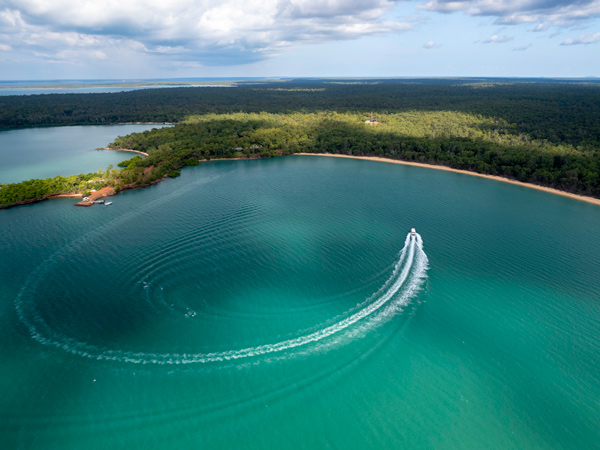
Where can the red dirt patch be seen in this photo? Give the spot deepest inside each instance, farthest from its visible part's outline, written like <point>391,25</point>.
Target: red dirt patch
<point>104,192</point>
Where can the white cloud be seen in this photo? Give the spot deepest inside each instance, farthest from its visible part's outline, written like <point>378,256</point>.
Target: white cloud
<point>514,12</point>
<point>79,55</point>
<point>585,39</point>
<point>206,29</point>
<point>495,39</point>
<point>540,27</point>
<point>445,7</point>
<point>518,19</point>
<point>429,45</point>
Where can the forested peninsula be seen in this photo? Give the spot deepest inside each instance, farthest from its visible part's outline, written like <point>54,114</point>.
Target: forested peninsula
<point>540,132</point>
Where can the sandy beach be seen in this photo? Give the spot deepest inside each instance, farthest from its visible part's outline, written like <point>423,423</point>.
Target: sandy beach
<point>582,198</point>
<point>228,159</point>
<point>66,195</point>
<point>146,123</point>
<point>126,150</point>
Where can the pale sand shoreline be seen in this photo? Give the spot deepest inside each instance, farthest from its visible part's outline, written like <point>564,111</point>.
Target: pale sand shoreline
<point>146,123</point>
<point>583,198</point>
<point>126,150</point>
<point>66,195</point>
<point>230,159</point>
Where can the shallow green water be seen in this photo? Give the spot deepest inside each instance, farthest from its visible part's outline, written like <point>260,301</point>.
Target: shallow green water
<point>280,304</point>
<point>48,152</point>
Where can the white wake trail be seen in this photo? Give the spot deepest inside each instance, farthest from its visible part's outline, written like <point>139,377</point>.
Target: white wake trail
<point>404,283</point>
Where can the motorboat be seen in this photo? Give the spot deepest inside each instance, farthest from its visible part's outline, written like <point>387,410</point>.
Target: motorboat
<point>108,203</point>
<point>413,232</point>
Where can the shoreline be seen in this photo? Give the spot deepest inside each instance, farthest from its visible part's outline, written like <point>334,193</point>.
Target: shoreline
<point>66,195</point>
<point>30,201</point>
<point>145,123</point>
<point>106,193</point>
<point>583,198</point>
<point>119,149</point>
<point>239,158</point>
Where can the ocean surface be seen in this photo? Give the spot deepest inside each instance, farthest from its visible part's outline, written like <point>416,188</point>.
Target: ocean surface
<point>283,304</point>
<point>48,152</point>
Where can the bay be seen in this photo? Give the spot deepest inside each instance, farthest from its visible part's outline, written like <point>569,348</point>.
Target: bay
<point>48,152</point>
<point>281,304</point>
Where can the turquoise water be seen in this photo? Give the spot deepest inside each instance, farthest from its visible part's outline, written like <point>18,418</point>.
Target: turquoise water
<point>47,152</point>
<point>281,304</point>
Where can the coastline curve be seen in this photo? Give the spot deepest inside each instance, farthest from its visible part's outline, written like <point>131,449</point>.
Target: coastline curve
<point>120,149</point>
<point>583,198</point>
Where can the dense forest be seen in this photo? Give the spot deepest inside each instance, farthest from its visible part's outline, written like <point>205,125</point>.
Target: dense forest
<point>462,141</point>
<point>557,111</point>
<point>35,189</point>
<point>546,133</point>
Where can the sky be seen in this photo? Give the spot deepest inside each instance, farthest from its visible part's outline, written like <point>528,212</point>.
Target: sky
<point>143,39</point>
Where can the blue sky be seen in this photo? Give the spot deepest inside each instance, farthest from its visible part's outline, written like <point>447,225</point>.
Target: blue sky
<point>71,39</point>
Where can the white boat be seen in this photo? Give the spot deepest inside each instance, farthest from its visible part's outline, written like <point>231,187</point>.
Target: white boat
<point>413,232</point>
<point>108,203</point>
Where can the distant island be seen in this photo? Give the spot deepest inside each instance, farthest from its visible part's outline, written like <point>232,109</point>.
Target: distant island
<point>540,133</point>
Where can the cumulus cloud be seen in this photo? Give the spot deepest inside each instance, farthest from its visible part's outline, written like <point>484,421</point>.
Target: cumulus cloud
<point>445,6</point>
<point>214,31</point>
<point>515,12</point>
<point>430,45</point>
<point>585,39</point>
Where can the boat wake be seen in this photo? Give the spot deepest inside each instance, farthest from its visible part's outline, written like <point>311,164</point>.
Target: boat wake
<point>405,281</point>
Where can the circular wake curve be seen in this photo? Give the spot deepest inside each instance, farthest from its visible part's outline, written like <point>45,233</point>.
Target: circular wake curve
<point>151,264</point>
<point>405,281</point>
